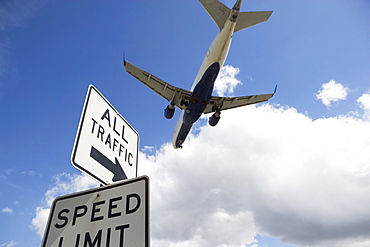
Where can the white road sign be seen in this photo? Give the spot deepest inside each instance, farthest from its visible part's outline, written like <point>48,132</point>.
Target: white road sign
<point>106,145</point>
<point>115,215</point>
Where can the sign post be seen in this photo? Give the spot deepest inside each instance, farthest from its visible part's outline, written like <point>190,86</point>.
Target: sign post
<point>106,145</point>
<point>115,215</point>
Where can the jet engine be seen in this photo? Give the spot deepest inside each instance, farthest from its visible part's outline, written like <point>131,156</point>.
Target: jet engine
<point>169,111</point>
<point>213,120</point>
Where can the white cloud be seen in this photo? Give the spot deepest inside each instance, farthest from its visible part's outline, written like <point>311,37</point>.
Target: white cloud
<point>11,244</point>
<point>9,171</point>
<point>38,223</point>
<point>63,184</point>
<point>147,149</point>
<point>14,13</point>
<point>263,170</point>
<point>364,102</point>
<point>332,91</point>
<point>226,81</point>
<point>7,210</point>
<point>30,173</point>
<point>266,170</point>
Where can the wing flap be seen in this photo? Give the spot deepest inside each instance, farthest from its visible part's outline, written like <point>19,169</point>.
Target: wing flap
<point>166,90</point>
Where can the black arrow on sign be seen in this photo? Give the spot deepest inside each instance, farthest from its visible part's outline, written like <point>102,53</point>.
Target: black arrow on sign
<point>115,168</point>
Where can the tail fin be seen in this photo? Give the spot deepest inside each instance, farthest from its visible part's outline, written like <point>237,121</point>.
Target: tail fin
<point>220,13</point>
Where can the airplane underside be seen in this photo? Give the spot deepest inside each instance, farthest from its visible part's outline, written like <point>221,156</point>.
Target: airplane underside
<point>199,99</point>
<point>198,102</point>
<point>201,95</point>
<point>183,133</point>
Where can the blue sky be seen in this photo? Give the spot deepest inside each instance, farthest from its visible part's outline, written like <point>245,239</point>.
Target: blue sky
<point>292,172</point>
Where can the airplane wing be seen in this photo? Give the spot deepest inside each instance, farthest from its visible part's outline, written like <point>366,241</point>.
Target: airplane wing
<point>225,103</point>
<point>173,94</point>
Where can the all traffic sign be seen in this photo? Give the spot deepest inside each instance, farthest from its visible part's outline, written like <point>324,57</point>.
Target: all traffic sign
<point>115,215</point>
<point>106,145</point>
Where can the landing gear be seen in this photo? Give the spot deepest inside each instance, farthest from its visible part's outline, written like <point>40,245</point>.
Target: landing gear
<point>184,102</point>
<point>179,144</point>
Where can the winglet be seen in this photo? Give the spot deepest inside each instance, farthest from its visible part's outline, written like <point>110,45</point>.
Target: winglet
<point>124,58</point>
<point>275,88</point>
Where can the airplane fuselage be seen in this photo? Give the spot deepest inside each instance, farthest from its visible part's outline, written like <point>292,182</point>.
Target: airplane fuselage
<point>204,81</point>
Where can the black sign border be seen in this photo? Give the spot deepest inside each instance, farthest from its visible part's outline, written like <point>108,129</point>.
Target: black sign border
<point>77,140</point>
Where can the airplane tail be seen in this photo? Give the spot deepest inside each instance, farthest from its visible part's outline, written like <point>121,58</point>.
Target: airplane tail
<point>248,19</point>
<point>220,13</point>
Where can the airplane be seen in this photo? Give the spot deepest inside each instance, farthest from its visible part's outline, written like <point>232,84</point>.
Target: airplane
<point>199,99</point>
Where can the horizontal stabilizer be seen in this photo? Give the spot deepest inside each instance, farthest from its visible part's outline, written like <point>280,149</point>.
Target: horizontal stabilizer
<point>220,13</point>
<point>248,19</point>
